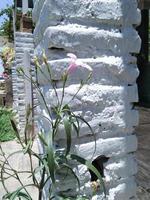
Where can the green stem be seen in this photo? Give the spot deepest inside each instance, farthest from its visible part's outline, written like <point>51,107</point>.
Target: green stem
<point>41,185</point>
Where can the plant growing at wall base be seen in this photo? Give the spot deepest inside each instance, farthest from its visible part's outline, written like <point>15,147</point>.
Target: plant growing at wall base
<point>6,130</point>
<point>53,160</point>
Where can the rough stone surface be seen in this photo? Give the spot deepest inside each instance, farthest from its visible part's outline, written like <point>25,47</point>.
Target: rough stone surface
<point>98,13</point>
<point>23,42</point>
<point>102,34</point>
<point>114,71</point>
<point>113,42</point>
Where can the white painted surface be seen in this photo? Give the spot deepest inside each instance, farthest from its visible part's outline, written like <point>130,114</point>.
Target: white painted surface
<point>27,84</point>
<point>22,88</point>
<point>25,6</point>
<point>98,13</point>
<point>101,33</point>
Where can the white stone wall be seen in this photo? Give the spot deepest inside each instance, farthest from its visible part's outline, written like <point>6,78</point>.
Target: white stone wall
<point>23,42</point>
<point>102,34</point>
<point>14,86</point>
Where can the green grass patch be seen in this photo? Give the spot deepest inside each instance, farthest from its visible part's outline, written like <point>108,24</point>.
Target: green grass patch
<point>6,130</point>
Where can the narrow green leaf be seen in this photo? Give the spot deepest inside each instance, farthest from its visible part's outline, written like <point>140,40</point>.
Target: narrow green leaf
<point>78,158</point>
<point>28,146</point>
<point>67,109</point>
<point>82,119</point>
<point>68,127</point>
<point>18,193</point>
<point>38,169</point>
<point>15,129</point>
<point>97,173</point>
<point>77,127</point>
<point>28,111</point>
<point>42,139</point>
<point>73,173</point>
<point>24,196</point>
<point>28,125</point>
<point>51,157</point>
<point>51,163</point>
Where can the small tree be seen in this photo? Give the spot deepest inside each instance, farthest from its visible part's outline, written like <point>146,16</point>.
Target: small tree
<point>6,28</point>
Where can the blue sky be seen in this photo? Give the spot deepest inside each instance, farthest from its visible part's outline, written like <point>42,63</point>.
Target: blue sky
<point>3,4</point>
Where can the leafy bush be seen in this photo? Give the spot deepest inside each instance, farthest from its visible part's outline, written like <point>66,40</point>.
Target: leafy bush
<point>6,130</point>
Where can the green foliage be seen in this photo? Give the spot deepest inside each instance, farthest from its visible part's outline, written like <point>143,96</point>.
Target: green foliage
<point>6,130</point>
<point>7,56</point>
<point>6,28</point>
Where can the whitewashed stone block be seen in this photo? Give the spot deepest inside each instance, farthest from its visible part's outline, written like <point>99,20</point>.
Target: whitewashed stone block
<point>123,191</point>
<point>109,147</point>
<point>75,37</point>
<point>101,34</point>
<point>114,71</point>
<point>81,11</point>
<point>117,168</point>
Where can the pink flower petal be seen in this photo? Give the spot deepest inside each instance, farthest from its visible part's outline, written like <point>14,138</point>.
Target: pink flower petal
<point>87,67</point>
<point>72,67</point>
<point>74,63</point>
<point>71,55</point>
<point>84,65</point>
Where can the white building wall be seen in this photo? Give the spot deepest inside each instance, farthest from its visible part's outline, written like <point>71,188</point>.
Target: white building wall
<point>102,34</point>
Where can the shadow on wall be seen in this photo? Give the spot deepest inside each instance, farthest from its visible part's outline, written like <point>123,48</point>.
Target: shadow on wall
<point>143,61</point>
